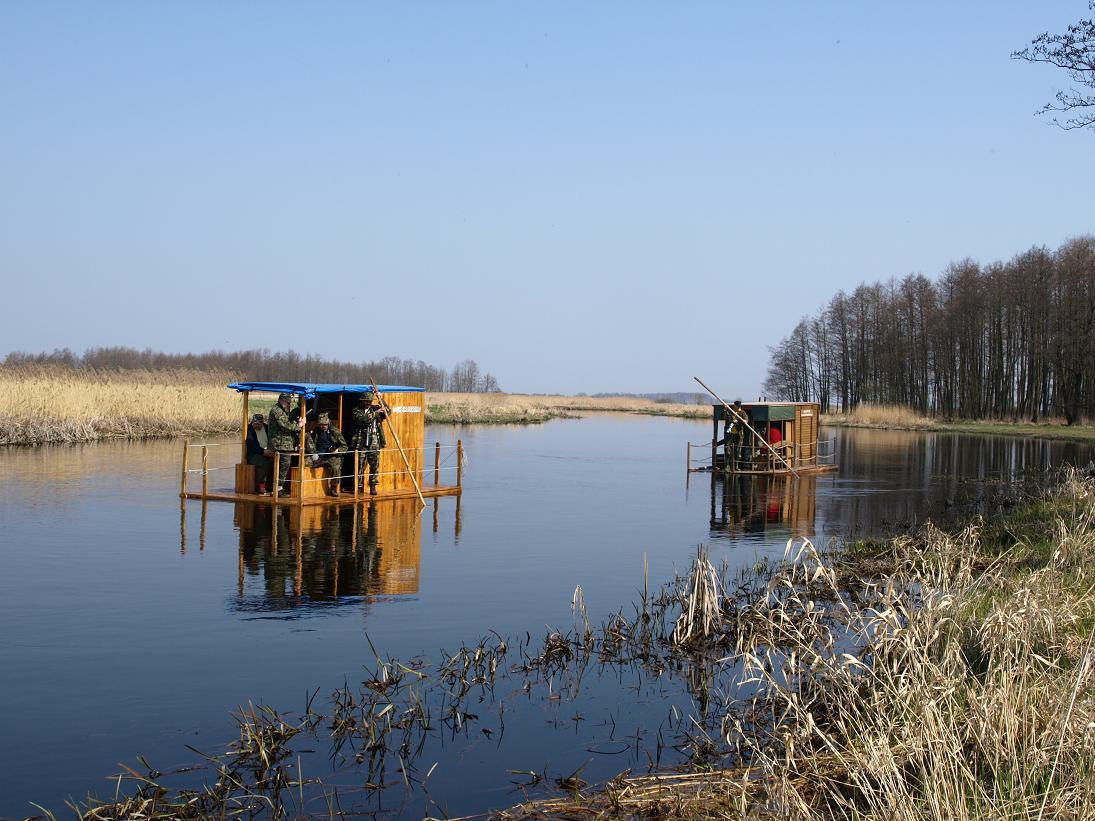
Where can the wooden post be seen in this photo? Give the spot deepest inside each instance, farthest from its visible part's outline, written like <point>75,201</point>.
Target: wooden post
<point>357,477</point>
<point>303,407</point>
<point>436,464</point>
<point>186,466</point>
<point>714,437</point>
<point>688,460</point>
<point>340,411</point>
<point>246,427</point>
<point>459,463</point>
<point>275,480</point>
<point>205,471</point>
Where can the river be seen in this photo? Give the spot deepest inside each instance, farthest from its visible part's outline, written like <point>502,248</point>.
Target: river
<point>136,625</point>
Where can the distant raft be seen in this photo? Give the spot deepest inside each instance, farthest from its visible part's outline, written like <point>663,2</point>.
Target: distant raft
<point>765,439</point>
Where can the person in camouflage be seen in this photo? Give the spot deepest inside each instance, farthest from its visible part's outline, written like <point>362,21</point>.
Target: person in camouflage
<point>284,435</point>
<point>259,452</point>
<point>328,443</point>
<point>731,440</point>
<point>369,437</point>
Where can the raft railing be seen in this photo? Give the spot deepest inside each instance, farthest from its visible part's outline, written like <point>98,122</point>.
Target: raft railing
<point>824,453</point>
<point>211,457</point>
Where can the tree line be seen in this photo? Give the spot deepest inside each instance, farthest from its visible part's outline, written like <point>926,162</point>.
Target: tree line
<point>1008,340</point>
<point>264,366</point>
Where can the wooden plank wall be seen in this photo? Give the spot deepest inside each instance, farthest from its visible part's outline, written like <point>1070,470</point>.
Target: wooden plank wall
<point>806,417</point>
<point>409,420</point>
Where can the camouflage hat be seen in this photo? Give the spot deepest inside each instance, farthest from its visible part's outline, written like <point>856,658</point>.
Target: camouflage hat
<point>366,396</point>
<point>286,396</point>
<point>257,417</point>
<point>323,419</point>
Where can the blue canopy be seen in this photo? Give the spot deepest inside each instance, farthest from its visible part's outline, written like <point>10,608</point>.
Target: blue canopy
<point>310,389</point>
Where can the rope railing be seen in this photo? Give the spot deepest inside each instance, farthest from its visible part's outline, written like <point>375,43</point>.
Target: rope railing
<point>824,452</point>
<point>447,459</point>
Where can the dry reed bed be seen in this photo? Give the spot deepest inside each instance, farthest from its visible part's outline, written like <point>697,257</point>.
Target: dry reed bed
<point>55,404</point>
<point>972,694</point>
<point>900,417</point>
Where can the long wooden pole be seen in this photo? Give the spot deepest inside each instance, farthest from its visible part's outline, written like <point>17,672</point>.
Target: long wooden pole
<point>302,408</point>
<point>186,466</point>
<point>391,428</point>
<point>740,418</point>
<point>246,427</point>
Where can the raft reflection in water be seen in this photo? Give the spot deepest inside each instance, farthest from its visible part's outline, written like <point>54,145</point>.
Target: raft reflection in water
<point>755,504</point>
<point>317,556</point>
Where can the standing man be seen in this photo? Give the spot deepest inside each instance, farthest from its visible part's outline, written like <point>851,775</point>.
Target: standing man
<point>369,437</point>
<point>731,439</point>
<point>329,445</point>
<point>259,452</point>
<point>283,433</point>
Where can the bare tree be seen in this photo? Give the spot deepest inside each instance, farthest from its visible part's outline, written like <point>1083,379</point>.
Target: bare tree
<point>1074,51</point>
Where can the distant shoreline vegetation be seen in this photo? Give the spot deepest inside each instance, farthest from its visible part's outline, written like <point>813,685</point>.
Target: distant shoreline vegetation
<point>899,417</point>
<point>56,404</point>
<point>1010,341</point>
<point>53,403</point>
<point>261,365</point>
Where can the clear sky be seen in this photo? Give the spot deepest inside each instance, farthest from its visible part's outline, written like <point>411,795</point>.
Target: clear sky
<point>580,196</point>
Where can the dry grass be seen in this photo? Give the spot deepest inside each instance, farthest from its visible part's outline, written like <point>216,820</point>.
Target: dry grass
<point>900,417</point>
<point>513,408</point>
<point>46,404</point>
<point>869,415</point>
<point>969,692</point>
<point>56,404</point>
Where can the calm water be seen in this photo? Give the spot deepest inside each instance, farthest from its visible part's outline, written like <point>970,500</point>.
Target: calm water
<point>133,628</point>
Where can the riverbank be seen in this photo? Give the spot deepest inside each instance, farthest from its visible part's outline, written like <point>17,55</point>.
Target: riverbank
<point>514,408</point>
<point>934,675</point>
<point>53,404</point>
<point>892,417</point>
<point>970,694</point>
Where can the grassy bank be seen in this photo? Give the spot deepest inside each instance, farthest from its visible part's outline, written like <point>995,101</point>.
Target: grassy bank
<point>971,693</point>
<point>897,417</point>
<point>513,408</point>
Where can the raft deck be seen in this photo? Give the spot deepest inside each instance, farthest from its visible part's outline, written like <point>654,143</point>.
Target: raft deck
<point>289,500</point>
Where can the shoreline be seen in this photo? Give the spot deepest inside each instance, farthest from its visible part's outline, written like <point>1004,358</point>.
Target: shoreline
<point>1030,430</point>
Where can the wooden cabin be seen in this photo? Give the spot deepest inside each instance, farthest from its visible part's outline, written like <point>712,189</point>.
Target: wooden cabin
<point>403,462</point>
<point>774,438</point>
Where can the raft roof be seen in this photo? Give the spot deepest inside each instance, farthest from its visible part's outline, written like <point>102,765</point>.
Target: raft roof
<point>310,389</point>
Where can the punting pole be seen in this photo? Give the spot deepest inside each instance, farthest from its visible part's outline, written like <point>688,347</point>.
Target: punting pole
<point>302,407</point>
<point>745,422</point>
<point>387,414</point>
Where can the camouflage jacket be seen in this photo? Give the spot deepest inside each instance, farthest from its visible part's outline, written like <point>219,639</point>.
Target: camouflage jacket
<point>337,439</point>
<point>368,431</point>
<point>283,431</point>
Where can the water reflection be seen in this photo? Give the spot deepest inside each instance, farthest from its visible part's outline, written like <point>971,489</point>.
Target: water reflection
<point>743,505</point>
<point>320,556</point>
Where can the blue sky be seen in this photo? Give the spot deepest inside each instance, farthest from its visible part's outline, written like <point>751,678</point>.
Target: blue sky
<point>579,196</point>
